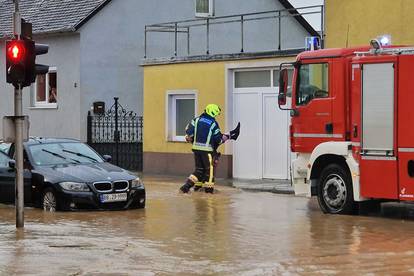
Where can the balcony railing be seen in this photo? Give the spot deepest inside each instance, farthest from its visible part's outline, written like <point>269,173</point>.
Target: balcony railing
<point>185,27</point>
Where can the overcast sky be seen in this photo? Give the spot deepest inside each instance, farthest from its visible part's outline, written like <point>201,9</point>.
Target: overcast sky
<point>314,20</point>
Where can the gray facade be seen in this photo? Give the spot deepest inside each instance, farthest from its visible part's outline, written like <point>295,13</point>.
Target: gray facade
<point>102,58</point>
<point>62,121</point>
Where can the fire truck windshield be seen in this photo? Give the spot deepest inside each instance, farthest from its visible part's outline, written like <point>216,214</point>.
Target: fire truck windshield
<point>312,83</point>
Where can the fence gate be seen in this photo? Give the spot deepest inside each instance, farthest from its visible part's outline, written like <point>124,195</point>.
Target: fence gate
<point>118,133</point>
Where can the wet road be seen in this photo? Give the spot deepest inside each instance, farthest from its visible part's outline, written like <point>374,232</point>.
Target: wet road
<point>232,232</point>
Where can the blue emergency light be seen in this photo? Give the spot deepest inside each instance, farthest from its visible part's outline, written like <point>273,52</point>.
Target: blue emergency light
<point>312,43</point>
<point>385,40</point>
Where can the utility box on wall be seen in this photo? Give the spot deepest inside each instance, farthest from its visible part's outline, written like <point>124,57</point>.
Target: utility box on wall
<point>99,108</point>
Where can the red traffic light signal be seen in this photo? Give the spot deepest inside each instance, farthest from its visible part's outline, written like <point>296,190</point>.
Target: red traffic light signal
<point>16,54</point>
<point>21,67</point>
<point>16,51</point>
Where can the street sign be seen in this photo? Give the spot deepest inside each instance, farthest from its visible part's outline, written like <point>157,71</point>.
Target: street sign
<point>9,129</point>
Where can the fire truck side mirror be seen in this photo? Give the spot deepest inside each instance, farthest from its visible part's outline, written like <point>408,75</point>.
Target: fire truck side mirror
<point>281,98</point>
<point>283,85</point>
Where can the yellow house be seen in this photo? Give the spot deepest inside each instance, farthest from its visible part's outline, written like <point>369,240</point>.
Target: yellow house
<point>245,88</point>
<point>355,22</point>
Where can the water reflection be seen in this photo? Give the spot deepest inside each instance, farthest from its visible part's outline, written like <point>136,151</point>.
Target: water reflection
<point>232,232</point>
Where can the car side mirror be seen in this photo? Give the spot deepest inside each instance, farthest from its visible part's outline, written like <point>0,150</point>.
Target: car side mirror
<point>12,164</point>
<point>107,158</point>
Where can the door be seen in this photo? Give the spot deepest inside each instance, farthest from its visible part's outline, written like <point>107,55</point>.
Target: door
<point>313,120</point>
<point>378,165</point>
<point>262,150</point>
<point>247,151</point>
<point>7,176</point>
<point>405,129</point>
<point>275,139</point>
<point>263,145</point>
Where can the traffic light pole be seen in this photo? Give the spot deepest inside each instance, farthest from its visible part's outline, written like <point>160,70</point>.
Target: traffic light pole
<point>18,123</point>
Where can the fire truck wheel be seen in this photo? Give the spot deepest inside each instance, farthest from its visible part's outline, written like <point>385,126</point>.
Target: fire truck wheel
<point>335,194</point>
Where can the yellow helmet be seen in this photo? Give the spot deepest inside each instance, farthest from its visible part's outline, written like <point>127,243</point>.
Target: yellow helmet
<point>213,110</point>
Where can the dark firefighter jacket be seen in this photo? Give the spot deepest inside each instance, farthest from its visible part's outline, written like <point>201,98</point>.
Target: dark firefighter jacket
<point>205,132</point>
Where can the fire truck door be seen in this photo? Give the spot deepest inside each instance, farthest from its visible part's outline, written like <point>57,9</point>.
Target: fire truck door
<point>405,127</point>
<point>378,165</point>
<point>312,118</point>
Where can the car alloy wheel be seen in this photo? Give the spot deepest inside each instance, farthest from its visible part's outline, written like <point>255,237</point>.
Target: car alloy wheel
<point>49,202</point>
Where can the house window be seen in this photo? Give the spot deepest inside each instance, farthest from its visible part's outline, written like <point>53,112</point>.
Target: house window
<point>45,92</point>
<point>247,79</point>
<point>204,8</point>
<point>181,110</point>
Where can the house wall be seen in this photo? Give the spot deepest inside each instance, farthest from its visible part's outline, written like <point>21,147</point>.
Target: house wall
<point>62,121</point>
<point>355,22</point>
<point>211,83</point>
<point>208,81</point>
<point>112,44</point>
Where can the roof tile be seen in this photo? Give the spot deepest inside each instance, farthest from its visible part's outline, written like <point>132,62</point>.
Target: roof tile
<point>48,16</point>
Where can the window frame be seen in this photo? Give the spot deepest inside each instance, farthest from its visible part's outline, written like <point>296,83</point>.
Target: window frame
<point>298,86</point>
<point>250,70</point>
<point>46,104</point>
<point>274,83</point>
<point>210,12</point>
<point>171,112</point>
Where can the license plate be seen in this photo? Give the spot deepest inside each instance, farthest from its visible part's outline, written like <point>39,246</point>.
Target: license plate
<point>114,197</point>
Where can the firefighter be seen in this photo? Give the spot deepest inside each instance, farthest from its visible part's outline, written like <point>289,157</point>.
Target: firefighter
<point>205,135</point>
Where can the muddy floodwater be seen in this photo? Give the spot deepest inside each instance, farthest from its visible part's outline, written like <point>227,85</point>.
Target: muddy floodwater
<point>232,232</point>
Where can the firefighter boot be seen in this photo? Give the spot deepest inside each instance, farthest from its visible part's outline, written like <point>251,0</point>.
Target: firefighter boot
<point>188,184</point>
<point>209,188</point>
<point>198,186</point>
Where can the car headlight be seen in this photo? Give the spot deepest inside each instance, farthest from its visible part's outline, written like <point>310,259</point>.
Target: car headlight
<point>74,186</point>
<point>137,183</point>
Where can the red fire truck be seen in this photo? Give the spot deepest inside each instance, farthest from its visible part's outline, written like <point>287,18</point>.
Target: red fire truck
<point>352,125</point>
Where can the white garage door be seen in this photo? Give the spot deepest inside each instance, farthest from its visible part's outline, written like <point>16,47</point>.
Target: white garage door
<point>262,150</point>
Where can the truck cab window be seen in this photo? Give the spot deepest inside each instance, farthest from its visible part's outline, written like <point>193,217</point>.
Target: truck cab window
<point>312,83</point>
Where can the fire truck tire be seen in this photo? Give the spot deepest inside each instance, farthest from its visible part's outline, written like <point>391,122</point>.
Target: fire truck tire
<point>335,193</point>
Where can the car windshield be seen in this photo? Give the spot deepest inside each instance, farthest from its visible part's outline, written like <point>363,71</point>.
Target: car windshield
<point>63,153</point>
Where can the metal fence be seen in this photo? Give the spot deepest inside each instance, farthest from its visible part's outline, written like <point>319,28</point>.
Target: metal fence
<point>118,133</point>
<point>185,26</point>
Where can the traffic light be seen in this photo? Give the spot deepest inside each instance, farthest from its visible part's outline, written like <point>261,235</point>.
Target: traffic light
<point>33,69</point>
<point>16,56</point>
<point>21,67</point>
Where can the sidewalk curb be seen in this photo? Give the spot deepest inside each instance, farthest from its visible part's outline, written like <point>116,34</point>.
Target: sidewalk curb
<point>281,187</point>
<point>274,190</point>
